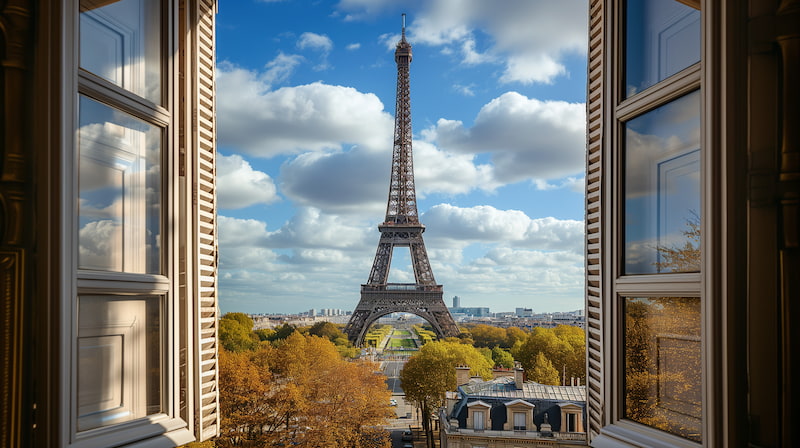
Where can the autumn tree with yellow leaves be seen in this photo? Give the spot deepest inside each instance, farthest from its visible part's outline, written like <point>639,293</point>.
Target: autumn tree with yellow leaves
<point>301,392</point>
<point>429,374</point>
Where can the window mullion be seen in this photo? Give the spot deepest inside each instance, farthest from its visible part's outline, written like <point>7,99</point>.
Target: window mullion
<point>96,87</point>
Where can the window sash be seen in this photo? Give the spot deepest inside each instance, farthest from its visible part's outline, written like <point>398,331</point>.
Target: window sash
<point>159,112</point>
<point>478,420</point>
<point>616,110</point>
<point>520,423</point>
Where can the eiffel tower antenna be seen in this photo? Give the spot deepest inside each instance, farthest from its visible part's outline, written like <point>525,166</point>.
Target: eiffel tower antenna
<point>401,228</point>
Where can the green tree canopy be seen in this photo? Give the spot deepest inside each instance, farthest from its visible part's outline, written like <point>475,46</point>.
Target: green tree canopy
<point>429,374</point>
<point>235,337</point>
<point>488,335</point>
<point>543,371</point>
<point>502,358</point>
<point>242,318</point>
<point>564,346</point>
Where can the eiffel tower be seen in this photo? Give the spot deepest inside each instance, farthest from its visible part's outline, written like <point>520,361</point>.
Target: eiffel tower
<point>401,228</point>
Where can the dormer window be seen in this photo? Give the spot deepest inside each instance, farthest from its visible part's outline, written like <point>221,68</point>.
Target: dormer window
<point>478,415</point>
<point>519,416</point>
<point>571,418</point>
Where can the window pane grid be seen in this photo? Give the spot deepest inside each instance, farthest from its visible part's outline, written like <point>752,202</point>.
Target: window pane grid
<point>663,363</point>
<point>123,280</point>
<point>656,271</point>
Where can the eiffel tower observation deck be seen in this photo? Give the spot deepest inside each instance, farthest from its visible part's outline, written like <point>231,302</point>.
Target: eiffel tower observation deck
<point>401,228</point>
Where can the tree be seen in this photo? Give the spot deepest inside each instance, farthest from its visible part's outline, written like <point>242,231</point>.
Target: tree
<point>514,334</point>
<point>502,358</point>
<point>235,337</point>
<point>242,318</point>
<point>564,346</point>
<point>685,258</point>
<point>429,374</point>
<point>488,335</point>
<point>325,329</point>
<point>663,359</point>
<point>543,371</point>
<point>301,393</point>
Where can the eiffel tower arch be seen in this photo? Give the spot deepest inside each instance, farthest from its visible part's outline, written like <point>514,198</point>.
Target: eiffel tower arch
<point>401,228</point>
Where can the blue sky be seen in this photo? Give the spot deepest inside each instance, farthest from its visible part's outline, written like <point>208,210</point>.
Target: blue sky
<point>305,104</point>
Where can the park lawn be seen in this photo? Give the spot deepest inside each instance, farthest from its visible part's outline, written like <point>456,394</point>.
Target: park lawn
<point>404,343</point>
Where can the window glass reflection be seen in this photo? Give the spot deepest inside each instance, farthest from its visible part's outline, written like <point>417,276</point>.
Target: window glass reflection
<point>662,189</point>
<point>662,37</point>
<point>663,368</point>
<point>120,41</point>
<point>119,183</point>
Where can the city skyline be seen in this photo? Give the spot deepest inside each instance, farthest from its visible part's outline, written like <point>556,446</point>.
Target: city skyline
<point>305,109</point>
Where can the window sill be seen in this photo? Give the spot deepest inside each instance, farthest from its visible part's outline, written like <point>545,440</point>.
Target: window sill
<point>625,434</point>
<point>157,431</point>
<point>168,440</point>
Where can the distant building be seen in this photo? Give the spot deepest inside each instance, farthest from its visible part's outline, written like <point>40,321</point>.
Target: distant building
<point>474,311</point>
<point>456,302</point>
<point>524,312</point>
<point>508,412</point>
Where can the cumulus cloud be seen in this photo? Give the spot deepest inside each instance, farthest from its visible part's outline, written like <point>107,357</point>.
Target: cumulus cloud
<point>528,138</point>
<point>353,46</point>
<point>466,90</point>
<point>315,41</point>
<point>100,245</point>
<point>487,224</point>
<point>311,229</point>
<point>357,181</point>
<point>528,37</point>
<point>313,117</point>
<point>345,182</point>
<point>239,185</point>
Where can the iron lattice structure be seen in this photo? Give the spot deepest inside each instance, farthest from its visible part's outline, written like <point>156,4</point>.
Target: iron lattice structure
<point>401,228</point>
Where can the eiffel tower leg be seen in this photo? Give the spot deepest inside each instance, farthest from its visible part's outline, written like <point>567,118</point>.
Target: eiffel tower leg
<point>380,267</point>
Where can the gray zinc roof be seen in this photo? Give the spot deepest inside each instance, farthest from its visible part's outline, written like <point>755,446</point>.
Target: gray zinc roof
<point>505,388</point>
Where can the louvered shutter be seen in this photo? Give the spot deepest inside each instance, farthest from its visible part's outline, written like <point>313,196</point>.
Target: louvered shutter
<point>206,391</point>
<point>594,240</point>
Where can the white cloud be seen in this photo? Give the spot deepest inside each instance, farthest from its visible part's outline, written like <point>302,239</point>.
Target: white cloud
<point>315,41</point>
<point>466,90</point>
<point>313,117</point>
<point>529,37</point>
<point>311,229</point>
<point>356,182</point>
<point>353,182</point>
<point>487,224</point>
<point>322,259</point>
<point>239,185</point>
<point>437,171</point>
<point>527,138</point>
<point>353,46</point>
<point>471,56</point>
<point>101,244</point>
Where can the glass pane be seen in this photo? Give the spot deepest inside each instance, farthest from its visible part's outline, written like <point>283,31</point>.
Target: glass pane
<point>119,359</point>
<point>119,183</point>
<point>121,42</point>
<point>519,420</point>
<point>662,189</point>
<point>662,37</point>
<point>663,364</point>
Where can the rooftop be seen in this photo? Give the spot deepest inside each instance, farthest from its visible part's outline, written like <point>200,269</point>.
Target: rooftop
<point>504,387</point>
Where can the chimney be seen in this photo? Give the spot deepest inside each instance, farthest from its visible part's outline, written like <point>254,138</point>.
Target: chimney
<point>462,375</point>
<point>519,377</point>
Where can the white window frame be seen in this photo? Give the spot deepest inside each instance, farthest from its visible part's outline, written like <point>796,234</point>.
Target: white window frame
<point>165,429</point>
<point>616,431</point>
<point>519,406</point>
